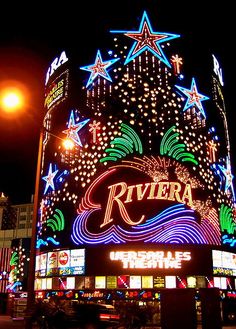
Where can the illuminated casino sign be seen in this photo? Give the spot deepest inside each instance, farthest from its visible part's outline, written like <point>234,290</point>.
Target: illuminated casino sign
<point>218,70</point>
<point>56,63</point>
<point>146,165</point>
<point>151,259</point>
<point>56,91</point>
<point>148,191</point>
<point>114,210</point>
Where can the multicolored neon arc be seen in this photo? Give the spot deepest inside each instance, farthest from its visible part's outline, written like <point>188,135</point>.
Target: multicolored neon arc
<point>175,224</point>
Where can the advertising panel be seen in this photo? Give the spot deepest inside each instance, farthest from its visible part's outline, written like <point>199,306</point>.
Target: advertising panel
<point>224,263</point>
<point>57,91</point>
<point>61,262</point>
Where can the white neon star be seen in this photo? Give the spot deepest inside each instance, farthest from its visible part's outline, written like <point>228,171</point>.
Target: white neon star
<point>194,98</point>
<point>226,171</point>
<point>49,178</point>
<point>99,68</point>
<point>74,128</point>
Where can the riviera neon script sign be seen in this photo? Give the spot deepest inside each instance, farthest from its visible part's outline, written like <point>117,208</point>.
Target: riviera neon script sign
<point>172,191</point>
<point>57,62</point>
<point>151,259</point>
<point>118,211</point>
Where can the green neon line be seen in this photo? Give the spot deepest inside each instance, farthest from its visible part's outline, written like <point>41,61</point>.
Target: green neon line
<point>62,218</point>
<point>115,155</point>
<point>14,258</point>
<point>14,255</point>
<point>185,154</point>
<point>125,143</point>
<point>163,141</point>
<point>172,144</point>
<point>128,139</point>
<point>58,221</point>
<point>116,150</point>
<point>176,147</point>
<point>53,224</point>
<point>127,134</point>
<point>222,211</point>
<point>134,136</point>
<point>176,152</point>
<point>108,159</point>
<point>226,219</point>
<point>222,217</point>
<point>122,147</point>
<point>228,212</point>
<point>190,160</point>
<point>169,142</point>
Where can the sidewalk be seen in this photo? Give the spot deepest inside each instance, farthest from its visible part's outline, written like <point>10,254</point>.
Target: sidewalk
<point>6,322</point>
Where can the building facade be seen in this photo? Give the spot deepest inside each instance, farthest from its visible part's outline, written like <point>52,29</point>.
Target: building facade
<point>15,235</point>
<point>144,199</point>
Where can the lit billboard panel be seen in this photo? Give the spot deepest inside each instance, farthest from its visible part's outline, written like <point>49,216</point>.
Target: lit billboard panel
<point>61,262</point>
<point>224,263</point>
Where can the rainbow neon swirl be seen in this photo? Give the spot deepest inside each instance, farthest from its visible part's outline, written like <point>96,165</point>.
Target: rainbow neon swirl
<point>176,224</point>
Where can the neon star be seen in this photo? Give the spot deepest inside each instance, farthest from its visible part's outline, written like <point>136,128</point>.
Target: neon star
<point>74,128</point>
<point>146,39</point>
<point>194,98</point>
<point>49,178</point>
<point>226,172</point>
<point>99,68</point>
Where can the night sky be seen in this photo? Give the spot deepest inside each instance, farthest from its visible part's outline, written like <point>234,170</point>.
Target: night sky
<point>31,37</point>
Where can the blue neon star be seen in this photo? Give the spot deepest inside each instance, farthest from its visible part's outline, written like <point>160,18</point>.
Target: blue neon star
<point>99,68</point>
<point>74,128</point>
<point>49,178</point>
<point>193,97</point>
<point>227,174</point>
<point>146,39</point>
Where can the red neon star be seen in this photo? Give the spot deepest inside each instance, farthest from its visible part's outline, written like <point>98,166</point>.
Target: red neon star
<point>193,97</point>
<point>99,68</point>
<point>146,39</point>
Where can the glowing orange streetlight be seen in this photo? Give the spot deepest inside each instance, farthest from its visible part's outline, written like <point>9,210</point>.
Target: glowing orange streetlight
<point>11,101</point>
<point>13,98</point>
<point>68,144</point>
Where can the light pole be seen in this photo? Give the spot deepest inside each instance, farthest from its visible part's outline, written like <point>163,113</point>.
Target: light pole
<point>68,144</point>
<point>31,272</point>
<point>12,100</point>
